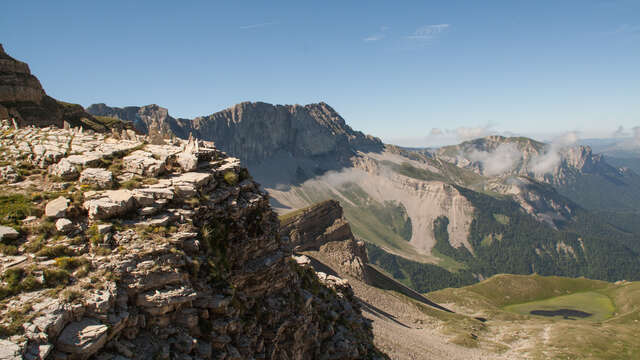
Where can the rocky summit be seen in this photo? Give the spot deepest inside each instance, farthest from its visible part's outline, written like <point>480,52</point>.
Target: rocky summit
<point>115,248</point>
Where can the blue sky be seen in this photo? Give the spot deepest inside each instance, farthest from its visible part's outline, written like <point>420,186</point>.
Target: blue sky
<point>394,69</point>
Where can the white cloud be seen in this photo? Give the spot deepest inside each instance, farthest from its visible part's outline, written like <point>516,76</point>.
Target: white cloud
<point>627,29</point>
<point>255,26</point>
<point>428,32</point>
<point>620,132</point>
<point>636,133</point>
<point>373,38</point>
<point>548,161</point>
<point>436,132</point>
<point>498,161</point>
<point>378,36</point>
<point>464,133</point>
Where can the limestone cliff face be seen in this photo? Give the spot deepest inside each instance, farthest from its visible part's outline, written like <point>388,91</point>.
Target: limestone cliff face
<point>146,119</point>
<point>322,227</point>
<point>23,98</point>
<point>157,251</point>
<point>257,131</point>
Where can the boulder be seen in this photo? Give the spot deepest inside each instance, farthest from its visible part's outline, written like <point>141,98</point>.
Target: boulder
<point>96,176</point>
<point>8,233</point>
<point>64,225</point>
<point>188,161</point>
<point>57,208</point>
<point>82,338</point>
<point>113,203</point>
<point>64,170</point>
<point>142,163</point>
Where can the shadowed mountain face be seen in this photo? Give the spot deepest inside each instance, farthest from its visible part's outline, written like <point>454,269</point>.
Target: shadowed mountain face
<point>258,131</point>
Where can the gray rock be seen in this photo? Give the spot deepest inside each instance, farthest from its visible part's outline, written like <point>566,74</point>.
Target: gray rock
<point>83,338</point>
<point>158,302</point>
<point>10,350</point>
<point>187,161</point>
<point>97,176</point>
<point>142,163</point>
<point>57,208</point>
<point>86,159</point>
<point>64,225</point>
<point>64,169</point>
<point>113,203</point>
<point>104,228</point>
<point>8,233</point>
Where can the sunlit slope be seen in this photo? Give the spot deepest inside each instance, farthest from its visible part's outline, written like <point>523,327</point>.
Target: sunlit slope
<point>506,300</point>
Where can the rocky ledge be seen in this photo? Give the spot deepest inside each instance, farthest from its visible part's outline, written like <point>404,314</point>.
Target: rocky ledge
<point>113,247</point>
<point>323,228</point>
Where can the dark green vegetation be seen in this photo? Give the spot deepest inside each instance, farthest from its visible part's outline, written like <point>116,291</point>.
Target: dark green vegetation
<point>606,190</point>
<point>588,246</point>
<point>631,163</point>
<point>419,276</point>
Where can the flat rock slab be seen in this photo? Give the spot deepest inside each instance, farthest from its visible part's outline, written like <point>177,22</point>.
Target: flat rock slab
<point>83,338</point>
<point>84,159</point>
<point>158,302</point>
<point>57,208</point>
<point>10,350</point>
<point>97,176</point>
<point>197,178</point>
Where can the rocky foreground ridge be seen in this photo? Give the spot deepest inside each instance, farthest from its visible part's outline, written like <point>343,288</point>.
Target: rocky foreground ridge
<point>113,247</point>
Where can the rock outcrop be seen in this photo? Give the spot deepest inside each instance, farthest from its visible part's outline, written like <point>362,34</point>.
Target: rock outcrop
<point>23,99</point>
<point>185,264</point>
<point>322,227</point>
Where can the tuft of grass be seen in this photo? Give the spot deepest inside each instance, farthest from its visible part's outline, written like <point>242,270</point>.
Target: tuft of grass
<point>70,295</point>
<point>231,178</point>
<point>56,251</point>
<point>131,184</point>
<point>71,263</point>
<point>55,277</point>
<point>14,208</point>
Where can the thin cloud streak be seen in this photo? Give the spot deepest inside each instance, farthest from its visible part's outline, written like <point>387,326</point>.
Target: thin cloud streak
<point>255,26</point>
<point>377,37</point>
<point>429,32</point>
<point>373,38</point>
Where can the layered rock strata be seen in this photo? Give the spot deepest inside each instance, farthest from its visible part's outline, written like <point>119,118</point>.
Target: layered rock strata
<point>160,261</point>
<point>322,227</point>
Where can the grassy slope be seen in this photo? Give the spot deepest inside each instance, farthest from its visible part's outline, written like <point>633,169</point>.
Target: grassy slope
<point>595,338</point>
